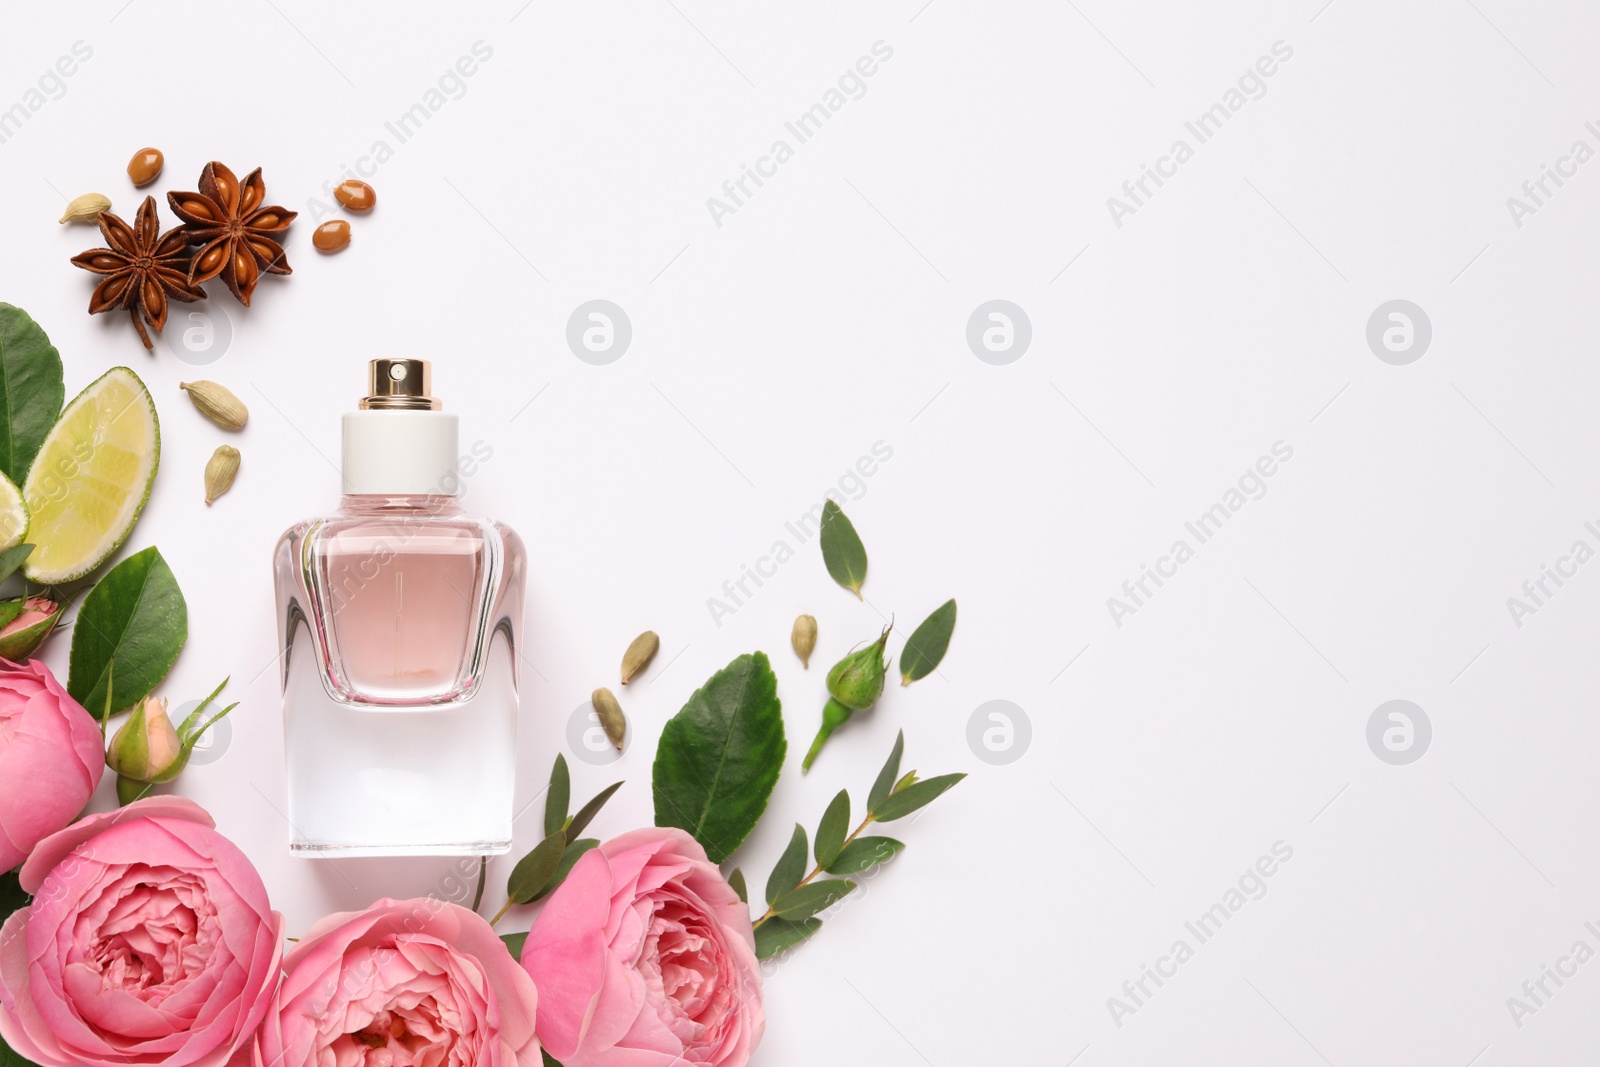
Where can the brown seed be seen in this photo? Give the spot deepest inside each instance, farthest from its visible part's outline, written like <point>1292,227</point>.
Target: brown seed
<point>356,196</point>
<point>609,712</point>
<point>145,166</point>
<point>331,236</point>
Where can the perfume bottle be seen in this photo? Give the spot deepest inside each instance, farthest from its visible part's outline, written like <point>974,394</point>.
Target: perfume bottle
<point>398,622</point>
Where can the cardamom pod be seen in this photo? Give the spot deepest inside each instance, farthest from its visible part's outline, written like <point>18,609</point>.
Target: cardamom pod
<point>610,713</point>
<point>86,208</point>
<point>220,471</point>
<point>804,639</point>
<point>217,404</point>
<point>639,655</point>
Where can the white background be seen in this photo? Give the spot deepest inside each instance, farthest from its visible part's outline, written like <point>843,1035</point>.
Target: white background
<point>828,313</point>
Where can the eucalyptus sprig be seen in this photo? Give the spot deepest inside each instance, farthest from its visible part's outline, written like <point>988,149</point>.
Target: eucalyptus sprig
<point>793,901</point>
<point>537,874</point>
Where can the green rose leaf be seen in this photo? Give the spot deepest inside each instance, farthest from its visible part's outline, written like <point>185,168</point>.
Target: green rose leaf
<point>514,943</point>
<point>778,935</point>
<point>805,901</point>
<point>549,1060</point>
<point>580,822</point>
<point>558,797</point>
<point>927,644</point>
<point>791,866</point>
<point>12,898</point>
<point>914,796</point>
<point>569,858</point>
<point>832,829</point>
<point>136,616</point>
<point>842,551</point>
<point>736,881</point>
<point>31,390</point>
<point>12,558</point>
<point>864,853</point>
<point>719,757</point>
<point>534,871</point>
<point>886,777</point>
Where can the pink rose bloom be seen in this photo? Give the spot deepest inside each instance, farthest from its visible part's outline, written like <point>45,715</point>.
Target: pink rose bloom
<point>149,941</point>
<point>406,983</point>
<point>51,748</point>
<point>644,957</point>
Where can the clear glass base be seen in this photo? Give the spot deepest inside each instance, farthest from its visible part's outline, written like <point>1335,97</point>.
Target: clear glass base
<point>320,851</point>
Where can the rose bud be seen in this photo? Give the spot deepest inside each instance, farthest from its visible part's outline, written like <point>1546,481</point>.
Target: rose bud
<point>854,684</point>
<point>28,628</point>
<point>148,751</point>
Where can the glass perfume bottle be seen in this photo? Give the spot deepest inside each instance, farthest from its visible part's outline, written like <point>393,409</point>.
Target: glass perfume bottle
<point>398,623</point>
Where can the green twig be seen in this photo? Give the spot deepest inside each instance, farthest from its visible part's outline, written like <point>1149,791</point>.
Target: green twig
<point>483,869</point>
<point>769,913</point>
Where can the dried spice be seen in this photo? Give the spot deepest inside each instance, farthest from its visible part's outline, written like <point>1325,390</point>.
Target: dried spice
<point>356,196</point>
<point>332,236</point>
<point>217,403</point>
<point>145,166</point>
<point>143,269</point>
<point>221,469</point>
<point>237,235</point>
<point>85,208</point>
<point>639,654</point>
<point>803,638</point>
<point>609,712</point>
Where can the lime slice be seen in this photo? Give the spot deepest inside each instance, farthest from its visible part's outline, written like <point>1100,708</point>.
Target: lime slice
<point>13,515</point>
<point>91,478</point>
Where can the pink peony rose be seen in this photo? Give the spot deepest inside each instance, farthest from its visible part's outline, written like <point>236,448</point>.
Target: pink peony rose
<point>644,957</point>
<point>406,983</point>
<point>149,941</point>
<point>51,748</point>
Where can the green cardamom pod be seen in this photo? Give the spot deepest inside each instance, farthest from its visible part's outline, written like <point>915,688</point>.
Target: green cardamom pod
<point>804,639</point>
<point>610,714</point>
<point>639,654</point>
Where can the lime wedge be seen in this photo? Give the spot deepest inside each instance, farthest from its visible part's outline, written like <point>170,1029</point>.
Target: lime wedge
<point>13,515</point>
<point>91,478</point>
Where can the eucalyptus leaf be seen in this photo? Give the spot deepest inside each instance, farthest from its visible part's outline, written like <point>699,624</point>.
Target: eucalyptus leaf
<point>135,615</point>
<point>559,796</point>
<point>914,796</point>
<point>719,757</point>
<point>12,558</point>
<point>864,853</point>
<point>779,935</point>
<point>842,551</point>
<point>569,859</point>
<point>832,829</point>
<point>514,943</point>
<point>791,866</point>
<point>886,777</point>
<point>580,822</point>
<point>927,644</point>
<point>31,390</point>
<point>805,901</point>
<point>534,871</point>
<point>736,881</point>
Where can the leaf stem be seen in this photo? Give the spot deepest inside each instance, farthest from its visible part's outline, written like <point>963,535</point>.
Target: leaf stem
<point>483,869</point>
<point>501,914</point>
<point>769,913</point>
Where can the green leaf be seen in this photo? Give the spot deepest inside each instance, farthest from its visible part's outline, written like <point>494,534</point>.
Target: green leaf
<point>927,644</point>
<point>778,935</point>
<point>569,859</point>
<point>736,880</point>
<point>842,550</point>
<point>914,796</point>
<point>863,853</point>
<point>12,898</point>
<point>549,1060</point>
<point>805,901</point>
<point>12,558</point>
<point>791,866</point>
<point>559,796</point>
<point>514,943</point>
<point>891,770</point>
<point>136,614</point>
<point>31,390</point>
<point>832,829</point>
<point>719,757</point>
<point>534,871</point>
<point>10,1058</point>
<point>580,822</point>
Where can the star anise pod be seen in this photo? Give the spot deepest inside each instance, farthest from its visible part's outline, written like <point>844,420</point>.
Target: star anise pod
<point>235,232</point>
<point>142,268</point>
